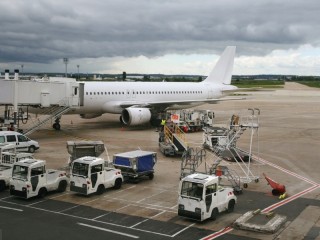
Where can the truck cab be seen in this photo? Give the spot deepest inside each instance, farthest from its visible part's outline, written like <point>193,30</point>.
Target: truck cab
<point>201,197</point>
<point>7,161</point>
<point>91,175</point>
<point>30,178</point>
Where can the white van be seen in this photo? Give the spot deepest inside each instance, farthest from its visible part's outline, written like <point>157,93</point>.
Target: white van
<point>23,143</point>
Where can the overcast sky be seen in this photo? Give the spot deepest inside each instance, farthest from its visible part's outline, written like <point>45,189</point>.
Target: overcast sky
<point>160,36</point>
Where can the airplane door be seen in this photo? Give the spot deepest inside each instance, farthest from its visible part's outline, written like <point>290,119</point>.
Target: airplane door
<point>34,182</point>
<point>75,96</point>
<point>211,197</point>
<point>210,93</point>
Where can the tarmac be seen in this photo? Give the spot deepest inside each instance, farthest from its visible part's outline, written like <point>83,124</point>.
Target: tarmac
<point>286,149</point>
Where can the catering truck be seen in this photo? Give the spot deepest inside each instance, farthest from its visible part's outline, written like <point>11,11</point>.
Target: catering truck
<point>201,197</point>
<point>92,175</point>
<point>30,178</point>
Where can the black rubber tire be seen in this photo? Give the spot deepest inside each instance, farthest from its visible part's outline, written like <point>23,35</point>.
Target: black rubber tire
<point>245,185</point>
<point>2,186</point>
<point>100,189</point>
<point>214,214</point>
<point>31,149</point>
<point>151,176</point>
<point>118,183</point>
<point>62,186</point>
<point>42,193</point>
<point>231,206</point>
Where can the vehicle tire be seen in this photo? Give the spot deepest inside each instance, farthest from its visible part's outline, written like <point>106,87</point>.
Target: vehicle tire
<point>31,149</point>
<point>118,183</point>
<point>231,206</point>
<point>100,189</point>
<point>151,176</point>
<point>214,214</point>
<point>2,186</point>
<point>42,193</point>
<point>62,186</point>
<point>245,185</point>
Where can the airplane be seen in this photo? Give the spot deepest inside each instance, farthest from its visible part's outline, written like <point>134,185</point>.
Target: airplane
<point>141,102</point>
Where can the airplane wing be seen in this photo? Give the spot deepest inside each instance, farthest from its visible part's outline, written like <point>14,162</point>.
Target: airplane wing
<point>166,104</point>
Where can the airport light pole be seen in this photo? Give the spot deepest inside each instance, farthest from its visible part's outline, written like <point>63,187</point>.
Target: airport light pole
<point>78,71</point>
<point>66,61</point>
<point>21,69</point>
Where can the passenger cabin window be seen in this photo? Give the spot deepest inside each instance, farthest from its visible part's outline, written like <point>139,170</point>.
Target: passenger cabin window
<point>22,138</point>
<point>211,189</point>
<point>96,168</point>
<point>37,171</point>
<point>11,138</point>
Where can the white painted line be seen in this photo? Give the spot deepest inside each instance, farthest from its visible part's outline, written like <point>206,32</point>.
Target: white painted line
<point>101,216</point>
<point>157,214</point>
<point>284,170</point>
<point>69,208</point>
<point>7,197</point>
<point>182,230</point>
<point>150,196</point>
<point>108,230</point>
<point>139,223</point>
<point>175,206</point>
<point>60,195</point>
<point>14,209</point>
<point>36,202</point>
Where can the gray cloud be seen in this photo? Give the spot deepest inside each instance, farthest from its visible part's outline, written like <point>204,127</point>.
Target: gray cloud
<point>44,31</point>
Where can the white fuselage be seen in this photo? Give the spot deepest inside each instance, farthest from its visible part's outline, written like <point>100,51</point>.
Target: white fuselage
<point>108,97</point>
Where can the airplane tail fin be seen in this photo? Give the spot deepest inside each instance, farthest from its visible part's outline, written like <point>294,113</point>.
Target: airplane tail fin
<point>222,72</point>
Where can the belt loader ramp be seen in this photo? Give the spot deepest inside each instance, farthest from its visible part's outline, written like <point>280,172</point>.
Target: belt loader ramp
<point>172,140</point>
<point>53,97</point>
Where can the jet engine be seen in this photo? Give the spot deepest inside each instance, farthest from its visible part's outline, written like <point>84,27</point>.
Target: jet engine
<point>90,115</point>
<point>135,116</point>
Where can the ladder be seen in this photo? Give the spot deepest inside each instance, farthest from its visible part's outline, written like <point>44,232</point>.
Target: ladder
<point>191,160</point>
<point>53,112</point>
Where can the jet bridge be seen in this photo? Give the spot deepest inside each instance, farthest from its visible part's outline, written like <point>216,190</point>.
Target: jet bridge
<point>55,93</point>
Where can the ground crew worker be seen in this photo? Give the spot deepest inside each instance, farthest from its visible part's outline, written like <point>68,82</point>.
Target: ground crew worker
<point>163,122</point>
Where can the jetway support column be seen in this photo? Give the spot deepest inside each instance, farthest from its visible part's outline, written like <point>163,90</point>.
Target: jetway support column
<point>15,96</point>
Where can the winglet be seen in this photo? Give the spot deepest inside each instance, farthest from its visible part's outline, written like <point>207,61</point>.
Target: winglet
<point>222,72</point>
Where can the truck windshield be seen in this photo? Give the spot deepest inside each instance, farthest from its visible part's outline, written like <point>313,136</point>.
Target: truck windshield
<point>20,172</point>
<point>192,189</point>
<point>80,169</point>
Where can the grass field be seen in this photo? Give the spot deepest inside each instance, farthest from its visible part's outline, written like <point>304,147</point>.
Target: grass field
<point>258,84</point>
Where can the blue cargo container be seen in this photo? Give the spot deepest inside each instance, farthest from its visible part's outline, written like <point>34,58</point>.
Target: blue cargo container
<point>135,164</point>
